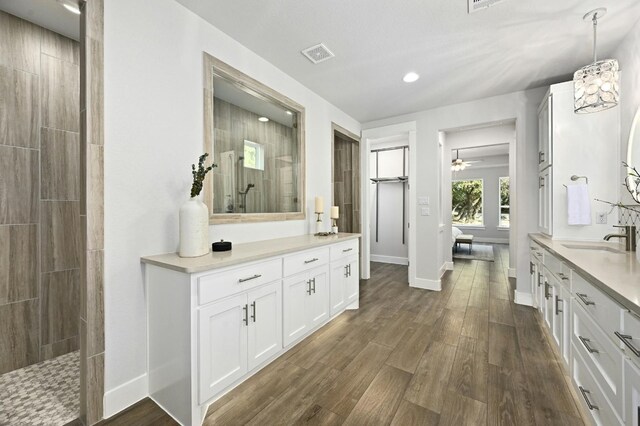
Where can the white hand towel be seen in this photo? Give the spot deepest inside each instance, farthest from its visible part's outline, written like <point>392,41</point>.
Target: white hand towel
<point>578,204</point>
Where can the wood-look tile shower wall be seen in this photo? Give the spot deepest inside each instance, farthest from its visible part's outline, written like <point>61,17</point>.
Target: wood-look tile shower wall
<point>346,183</point>
<point>39,194</point>
<point>276,186</point>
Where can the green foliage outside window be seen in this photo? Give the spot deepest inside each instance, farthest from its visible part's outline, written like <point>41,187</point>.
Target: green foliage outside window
<point>504,202</point>
<point>466,202</point>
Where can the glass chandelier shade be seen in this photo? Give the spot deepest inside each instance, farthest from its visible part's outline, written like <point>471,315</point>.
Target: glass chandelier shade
<point>596,86</point>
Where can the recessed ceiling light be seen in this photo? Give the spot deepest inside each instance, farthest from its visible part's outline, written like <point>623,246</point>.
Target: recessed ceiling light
<point>410,77</point>
<point>263,119</point>
<point>70,5</point>
<point>289,112</point>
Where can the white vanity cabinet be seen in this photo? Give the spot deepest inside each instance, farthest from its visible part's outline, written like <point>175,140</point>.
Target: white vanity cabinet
<point>306,303</point>
<point>344,275</point>
<point>236,335</point>
<point>545,135</point>
<point>216,320</point>
<point>632,393</point>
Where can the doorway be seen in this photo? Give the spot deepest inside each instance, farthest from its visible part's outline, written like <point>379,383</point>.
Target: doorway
<point>478,178</point>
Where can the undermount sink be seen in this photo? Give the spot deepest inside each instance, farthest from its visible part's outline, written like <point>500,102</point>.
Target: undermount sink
<point>593,248</point>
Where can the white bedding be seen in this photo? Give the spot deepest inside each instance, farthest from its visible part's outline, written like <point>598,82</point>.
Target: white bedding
<point>455,232</point>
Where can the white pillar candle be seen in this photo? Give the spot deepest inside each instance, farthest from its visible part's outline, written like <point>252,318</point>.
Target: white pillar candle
<point>334,212</point>
<point>319,205</point>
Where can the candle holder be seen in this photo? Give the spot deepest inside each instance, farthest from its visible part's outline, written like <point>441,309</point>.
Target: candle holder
<point>334,228</point>
<point>319,223</point>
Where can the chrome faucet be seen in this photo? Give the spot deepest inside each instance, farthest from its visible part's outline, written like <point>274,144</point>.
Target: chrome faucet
<point>629,236</point>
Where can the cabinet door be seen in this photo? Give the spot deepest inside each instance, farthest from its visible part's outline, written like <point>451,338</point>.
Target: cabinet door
<point>545,202</point>
<point>564,310</point>
<point>296,290</point>
<point>540,289</point>
<point>632,393</point>
<point>545,133</point>
<point>265,323</point>
<point>338,287</point>
<point>318,302</point>
<point>222,344</point>
<point>533,281</point>
<point>548,299</point>
<point>352,288</point>
<point>558,318</point>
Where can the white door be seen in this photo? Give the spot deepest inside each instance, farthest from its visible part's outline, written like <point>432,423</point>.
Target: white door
<point>296,290</point>
<point>338,296</point>
<point>352,287</point>
<point>318,301</point>
<point>222,344</point>
<point>265,323</point>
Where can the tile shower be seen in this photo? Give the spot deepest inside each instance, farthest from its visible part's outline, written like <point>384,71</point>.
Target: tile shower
<point>40,227</point>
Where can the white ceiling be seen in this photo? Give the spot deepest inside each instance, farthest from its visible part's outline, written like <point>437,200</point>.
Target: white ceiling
<point>46,13</point>
<point>515,45</point>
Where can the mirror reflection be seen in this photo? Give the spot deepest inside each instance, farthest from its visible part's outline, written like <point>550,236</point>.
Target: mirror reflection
<point>257,149</point>
<point>633,159</point>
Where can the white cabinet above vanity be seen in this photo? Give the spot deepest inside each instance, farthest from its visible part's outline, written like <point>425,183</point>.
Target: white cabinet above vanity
<point>216,320</point>
<point>588,295</point>
<point>571,144</point>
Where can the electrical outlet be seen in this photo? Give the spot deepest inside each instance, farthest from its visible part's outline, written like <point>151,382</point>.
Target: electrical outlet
<point>425,211</point>
<point>601,218</point>
<point>423,201</point>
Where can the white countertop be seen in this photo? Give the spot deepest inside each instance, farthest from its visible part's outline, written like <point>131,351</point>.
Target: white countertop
<point>618,275</point>
<point>243,253</point>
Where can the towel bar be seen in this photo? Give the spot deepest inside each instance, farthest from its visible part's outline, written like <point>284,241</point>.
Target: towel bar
<point>576,177</point>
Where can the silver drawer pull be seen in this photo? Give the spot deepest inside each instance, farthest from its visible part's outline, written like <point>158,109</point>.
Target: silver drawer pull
<point>584,393</point>
<point>315,259</point>
<point>563,276</point>
<point>242,280</point>
<point>625,339</point>
<point>253,307</point>
<point>583,297</point>
<point>586,342</point>
<point>558,311</point>
<point>347,250</point>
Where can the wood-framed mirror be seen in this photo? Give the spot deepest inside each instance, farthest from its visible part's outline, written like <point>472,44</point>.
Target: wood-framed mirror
<point>256,137</point>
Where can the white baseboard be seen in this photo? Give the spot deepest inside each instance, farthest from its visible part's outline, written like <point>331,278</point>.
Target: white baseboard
<point>446,266</point>
<point>425,284</point>
<point>389,259</point>
<point>521,298</point>
<point>125,395</point>
<point>491,240</point>
<point>512,273</point>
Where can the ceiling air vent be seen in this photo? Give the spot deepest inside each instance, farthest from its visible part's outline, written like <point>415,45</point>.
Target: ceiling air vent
<point>318,53</point>
<point>476,5</point>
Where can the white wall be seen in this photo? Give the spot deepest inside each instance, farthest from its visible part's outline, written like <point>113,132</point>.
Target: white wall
<point>153,130</point>
<point>628,55</point>
<point>521,106</point>
<point>490,176</point>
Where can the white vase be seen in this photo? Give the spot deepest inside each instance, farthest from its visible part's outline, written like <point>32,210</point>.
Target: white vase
<point>194,228</point>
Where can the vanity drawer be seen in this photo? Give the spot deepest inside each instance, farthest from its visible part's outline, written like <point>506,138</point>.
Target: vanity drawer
<point>300,262</point>
<point>630,336</point>
<point>222,284</point>
<point>536,250</point>
<point>602,356</point>
<point>606,312</point>
<point>590,395</point>
<point>556,267</point>
<point>346,249</point>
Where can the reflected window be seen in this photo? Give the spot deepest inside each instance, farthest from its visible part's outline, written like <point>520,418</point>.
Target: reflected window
<point>253,155</point>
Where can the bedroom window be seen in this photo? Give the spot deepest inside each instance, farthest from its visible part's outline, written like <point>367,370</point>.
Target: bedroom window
<point>467,202</point>
<point>503,219</point>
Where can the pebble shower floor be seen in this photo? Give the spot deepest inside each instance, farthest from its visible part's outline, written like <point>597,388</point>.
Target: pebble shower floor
<point>43,394</point>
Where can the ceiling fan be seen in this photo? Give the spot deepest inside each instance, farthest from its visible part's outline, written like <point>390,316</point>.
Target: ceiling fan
<point>459,164</point>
